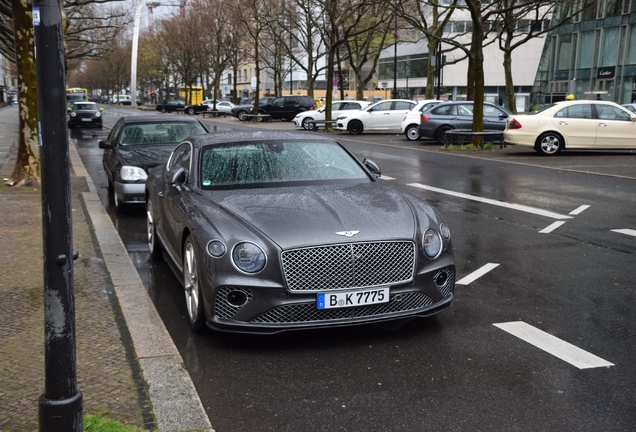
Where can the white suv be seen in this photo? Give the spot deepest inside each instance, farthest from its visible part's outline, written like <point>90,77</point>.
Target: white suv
<point>337,108</point>
<point>384,115</point>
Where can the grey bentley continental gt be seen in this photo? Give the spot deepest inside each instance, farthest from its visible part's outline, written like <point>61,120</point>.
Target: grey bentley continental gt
<point>275,231</point>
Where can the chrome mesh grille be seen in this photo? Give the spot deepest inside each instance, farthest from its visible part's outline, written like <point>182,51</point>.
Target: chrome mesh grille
<point>446,288</point>
<point>351,265</point>
<point>307,312</point>
<point>222,308</point>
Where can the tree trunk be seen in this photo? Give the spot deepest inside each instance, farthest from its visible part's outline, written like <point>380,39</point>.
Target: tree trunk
<point>27,167</point>
<point>510,88</point>
<point>430,70</point>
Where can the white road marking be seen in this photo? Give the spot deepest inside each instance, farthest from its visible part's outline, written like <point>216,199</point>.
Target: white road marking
<point>553,345</point>
<point>494,202</point>
<point>476,274</point>
<point>383,177</point>
<point>630,232</point>
<point>552,227</point>
<point>579,210</point>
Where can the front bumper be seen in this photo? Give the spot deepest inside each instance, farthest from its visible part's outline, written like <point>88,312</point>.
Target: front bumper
<point>130,193</point>
<point>273,310</point>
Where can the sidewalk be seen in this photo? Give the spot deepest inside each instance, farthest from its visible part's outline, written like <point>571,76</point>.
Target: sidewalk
<point>128,368</point>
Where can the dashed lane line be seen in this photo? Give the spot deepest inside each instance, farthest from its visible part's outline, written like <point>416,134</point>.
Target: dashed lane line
<point>551,227</point>
<point>512,206</point>
<point>553,345</point>
<point>579,210</point>
<point>476,274</point>
<point>630,232</point>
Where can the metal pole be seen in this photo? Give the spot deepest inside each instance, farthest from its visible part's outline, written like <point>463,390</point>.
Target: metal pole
<point>291,81</point>
<point>395,92</point>
<point>61,405</point>
<point>133,59</point>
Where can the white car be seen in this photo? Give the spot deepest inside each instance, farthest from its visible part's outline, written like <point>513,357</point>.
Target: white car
<point>578,124</point>
<point>337,108</point>
<point>411,121</point>
<point>222,106</point>
<point>385,115</point>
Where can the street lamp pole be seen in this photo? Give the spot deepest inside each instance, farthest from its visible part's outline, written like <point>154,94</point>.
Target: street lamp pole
<point>61,406</point>
<point>395,91</point>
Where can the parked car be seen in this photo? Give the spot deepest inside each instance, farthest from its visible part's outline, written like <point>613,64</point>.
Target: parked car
<point>630,106</point>
<point>384,115</point>
<point>84,114</point>
<point>411,121</point>
<point>337,109</point>
<point>435,122</point>
<point>136,144</point>
<point>221,106</point>
<point>240,110</point>
<point>121,99</point>
<point>578,124</point>
<point>196,109</point>
<point>171,106</point>
<point>333,257</point>
<point>287,107</point>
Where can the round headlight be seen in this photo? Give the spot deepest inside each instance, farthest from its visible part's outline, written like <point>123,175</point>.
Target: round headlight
<point>248,257</point>
<point>216,248</point>
<point>98,114</point>
<point>444,231</point>
<point>432,243</point>
<point>73,113</point>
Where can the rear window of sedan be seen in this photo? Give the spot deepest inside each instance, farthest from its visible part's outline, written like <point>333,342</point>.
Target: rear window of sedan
<point>263,164</point>
<point>159,133</point>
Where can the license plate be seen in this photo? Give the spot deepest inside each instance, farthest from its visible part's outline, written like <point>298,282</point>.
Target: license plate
<point>345,299</point>
<point>86,119</point>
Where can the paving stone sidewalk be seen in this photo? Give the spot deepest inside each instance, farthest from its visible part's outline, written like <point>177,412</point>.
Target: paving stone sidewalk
<point>108,371</point>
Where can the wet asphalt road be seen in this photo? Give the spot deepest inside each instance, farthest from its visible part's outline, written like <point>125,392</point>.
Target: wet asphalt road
<point>456,371</point>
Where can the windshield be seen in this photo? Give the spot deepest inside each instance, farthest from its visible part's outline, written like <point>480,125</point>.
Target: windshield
<point>159,133</point>
<point>84,107</point>
<point>264,163</point>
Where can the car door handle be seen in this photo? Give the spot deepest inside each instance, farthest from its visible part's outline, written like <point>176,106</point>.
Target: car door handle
<point>562,123</point>
<point>602,124</point>
<point>387,113</point>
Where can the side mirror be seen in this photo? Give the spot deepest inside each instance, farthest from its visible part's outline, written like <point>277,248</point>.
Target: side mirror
<point>105,145</point>
<point>177,177</point>
<point>373,167</point>
<point>68,109</point>
<point>101,109</point>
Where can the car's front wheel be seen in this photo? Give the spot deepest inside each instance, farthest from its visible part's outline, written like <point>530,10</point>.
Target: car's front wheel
<point>412,132</point>
<point>153,242</point>
<point>549,143</point>
<point>242,115</point>
<point>190,111</point>
<point>194,299</point>
<point>163,110</point>
<point>305,123</point>
<point>355,127</point>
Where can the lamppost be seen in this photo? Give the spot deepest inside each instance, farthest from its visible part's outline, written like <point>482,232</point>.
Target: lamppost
<point>395,92</point>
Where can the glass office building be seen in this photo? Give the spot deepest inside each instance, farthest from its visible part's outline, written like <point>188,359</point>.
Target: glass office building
<point>592,56</point>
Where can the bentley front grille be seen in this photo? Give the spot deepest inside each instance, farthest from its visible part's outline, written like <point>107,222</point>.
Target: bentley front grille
<point>307,312</point>
<point>350,265</point>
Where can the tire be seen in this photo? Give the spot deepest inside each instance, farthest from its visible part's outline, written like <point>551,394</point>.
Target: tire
<point>284,119</point>
<point>355,127</point>
<point>163,110</point>
<point>412,132</point>
<point>241,115</point>
<point>549,143</point>
<point>306,125</point>
<point>194,299</point>
<point>191,111</point>
<point>441,136</point>
<point>154,246</point>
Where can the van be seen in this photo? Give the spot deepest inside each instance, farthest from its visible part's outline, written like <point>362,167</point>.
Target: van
<point>122,99</point>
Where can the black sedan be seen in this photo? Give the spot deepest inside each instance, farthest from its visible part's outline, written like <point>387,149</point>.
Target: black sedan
<point>84,114</point>
<point>170,106</point>
<point>274,231</point>
<point>239,111</point>
<point>136,144</point>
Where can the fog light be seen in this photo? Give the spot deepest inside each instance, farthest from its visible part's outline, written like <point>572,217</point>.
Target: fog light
<point>236,298</point>
<point>441,279</point>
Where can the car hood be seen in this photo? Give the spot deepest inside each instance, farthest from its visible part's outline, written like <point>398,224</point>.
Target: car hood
<point>145,156</point>
<point>301,216</point>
